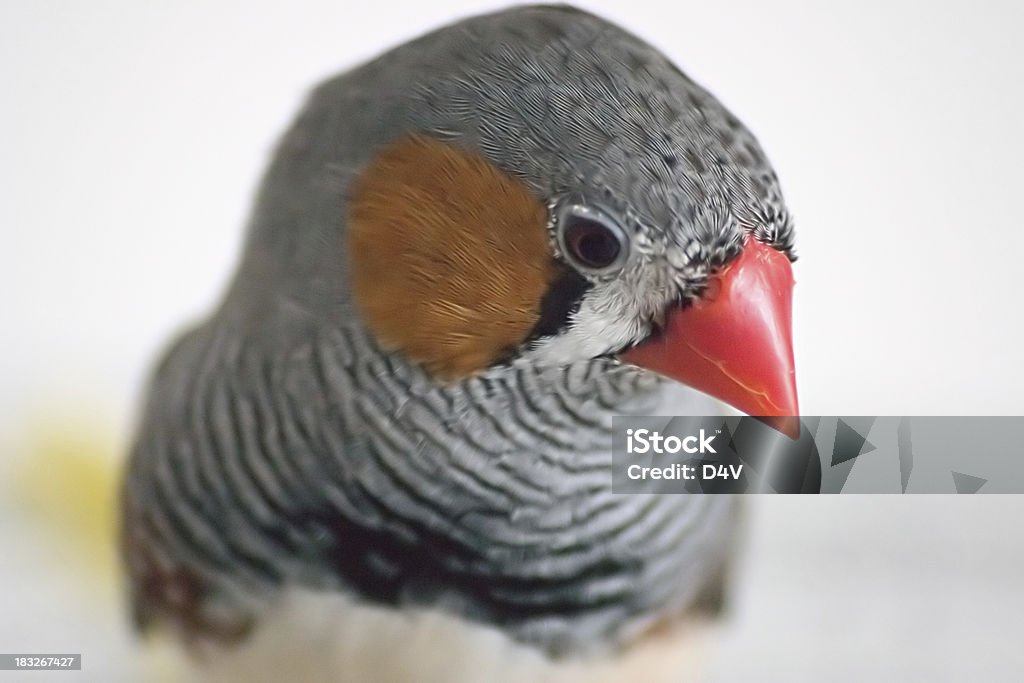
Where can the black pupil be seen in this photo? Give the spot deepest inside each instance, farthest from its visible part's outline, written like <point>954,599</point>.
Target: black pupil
<point>594,245</point>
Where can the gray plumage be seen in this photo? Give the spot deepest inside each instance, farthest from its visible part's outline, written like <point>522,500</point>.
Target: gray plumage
<point>280,445</point>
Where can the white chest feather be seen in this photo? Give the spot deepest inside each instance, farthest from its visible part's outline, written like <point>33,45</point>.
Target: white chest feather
<point>329,638</point>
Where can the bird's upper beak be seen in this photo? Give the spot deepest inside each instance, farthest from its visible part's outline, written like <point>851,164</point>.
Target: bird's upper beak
<point>735,341</point>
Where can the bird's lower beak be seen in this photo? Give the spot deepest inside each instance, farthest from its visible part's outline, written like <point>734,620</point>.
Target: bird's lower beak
<point>735,342</point>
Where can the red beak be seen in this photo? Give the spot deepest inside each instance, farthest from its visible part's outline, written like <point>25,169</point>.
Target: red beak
<point>735,341</point>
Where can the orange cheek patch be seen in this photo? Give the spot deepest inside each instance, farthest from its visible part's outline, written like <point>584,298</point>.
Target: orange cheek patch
<point>449,256</point>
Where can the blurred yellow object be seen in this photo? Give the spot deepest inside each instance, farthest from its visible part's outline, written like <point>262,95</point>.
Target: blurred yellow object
<point>65,485</point>
<point>67,481</point>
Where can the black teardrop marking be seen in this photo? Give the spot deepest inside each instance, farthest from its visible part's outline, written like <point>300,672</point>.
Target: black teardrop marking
<point>560,301</point>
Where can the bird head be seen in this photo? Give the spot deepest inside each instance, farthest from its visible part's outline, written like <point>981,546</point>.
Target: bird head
<point>551,190</point>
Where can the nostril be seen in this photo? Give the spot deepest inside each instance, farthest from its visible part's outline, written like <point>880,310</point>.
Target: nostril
<point>658,323</point>
<point>712,289</point>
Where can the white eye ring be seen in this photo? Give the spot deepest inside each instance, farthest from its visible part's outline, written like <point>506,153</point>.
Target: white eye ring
<point>590,240</point>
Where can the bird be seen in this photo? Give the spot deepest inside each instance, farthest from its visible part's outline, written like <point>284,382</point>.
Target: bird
<point>385,453</point>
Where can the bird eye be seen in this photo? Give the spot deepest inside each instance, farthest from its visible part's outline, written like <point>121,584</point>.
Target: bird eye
<point>590,240</point>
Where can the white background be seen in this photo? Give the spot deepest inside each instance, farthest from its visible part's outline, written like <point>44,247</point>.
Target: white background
<point>132,135</point>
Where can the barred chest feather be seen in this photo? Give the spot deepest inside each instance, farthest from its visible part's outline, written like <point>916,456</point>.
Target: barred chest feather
<point>360,486</point>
